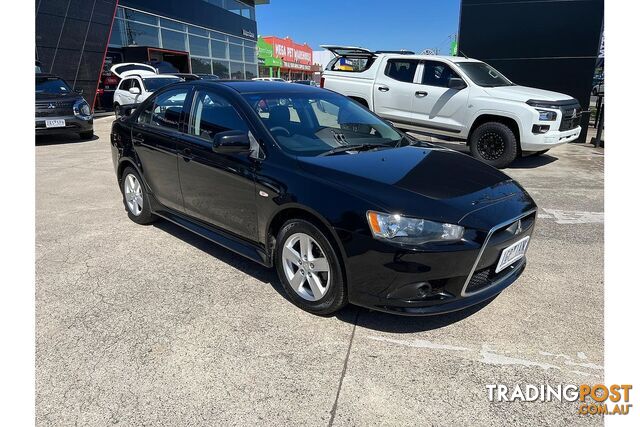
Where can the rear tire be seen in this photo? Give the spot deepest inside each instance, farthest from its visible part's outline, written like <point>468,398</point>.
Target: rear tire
<point>117,110</point>
<point>317,288</point>
<point>495,144</point>
<point>135,197</point>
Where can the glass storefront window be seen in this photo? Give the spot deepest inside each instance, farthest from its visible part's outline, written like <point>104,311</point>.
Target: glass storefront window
<point>219,49</point>
<point>141,35</point>
<point>237,70</point>
<point>235,52</point>
<point>200,65</point>
<point>250,55</point>
<point>198,31</point>
<point>168,23</point>
<point>251,71</point>
<point>199,46</point>
<point>117,33</point>
<point>173,40</point>
<point>235,40</point>
<point>221,69</point>
<point>218,36</point>
<point>134,15</point>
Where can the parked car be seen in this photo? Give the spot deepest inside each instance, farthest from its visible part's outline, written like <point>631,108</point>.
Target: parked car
<point>208,77</point>
<point>343,205</point>
<point>268,79</point>
<point>109,81</point>
<point>60,109</point>
<point>306,82</point>
<point>184,76</point>
<point>135,88</point>
<point>598,86</point>
<point>455,98</point>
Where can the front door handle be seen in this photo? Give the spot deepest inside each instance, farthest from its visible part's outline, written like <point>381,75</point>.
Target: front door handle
<point>186,154</point>
<point>383,88</point>
<point>421,94</point>
<point>137,138</point>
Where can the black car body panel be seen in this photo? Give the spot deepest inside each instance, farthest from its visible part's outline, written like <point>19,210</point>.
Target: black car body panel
<point>236,199</point>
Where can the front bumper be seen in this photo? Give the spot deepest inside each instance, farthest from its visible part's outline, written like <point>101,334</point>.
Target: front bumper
<point>73,125</point>
<point>544,141</point>
<point>431,282</point>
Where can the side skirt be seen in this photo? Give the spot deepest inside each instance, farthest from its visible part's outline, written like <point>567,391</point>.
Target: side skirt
<point>240,246</point>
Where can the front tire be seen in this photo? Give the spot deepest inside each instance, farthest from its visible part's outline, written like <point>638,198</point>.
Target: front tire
<point>309,269</point>
<point>135,197</point>
<point>494,144</point>
<point>117,110</point>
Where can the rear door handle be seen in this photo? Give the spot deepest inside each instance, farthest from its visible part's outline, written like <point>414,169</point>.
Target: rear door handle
<point>383,88</point>
<point>421,94</point>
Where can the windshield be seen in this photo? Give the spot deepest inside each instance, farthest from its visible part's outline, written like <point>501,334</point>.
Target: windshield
<point>484,74</point>
<point>152,84</point>
<point>321,123</point>
<point>51,85</point>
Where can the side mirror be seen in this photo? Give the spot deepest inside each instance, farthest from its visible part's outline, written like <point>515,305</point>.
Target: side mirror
<point>233,141</point>
<point>456,83</point>
<point>134,91</point>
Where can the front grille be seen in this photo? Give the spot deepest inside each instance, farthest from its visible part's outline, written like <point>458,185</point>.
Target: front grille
<point>568,120</point>
<point>60,108</point>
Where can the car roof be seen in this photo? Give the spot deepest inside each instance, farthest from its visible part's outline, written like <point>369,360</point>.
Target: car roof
<point>259,86</point>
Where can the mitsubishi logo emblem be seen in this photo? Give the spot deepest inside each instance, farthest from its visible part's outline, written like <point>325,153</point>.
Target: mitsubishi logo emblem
<point>51,106</point>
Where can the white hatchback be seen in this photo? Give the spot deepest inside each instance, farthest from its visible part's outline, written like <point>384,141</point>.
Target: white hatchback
<point>134,88</point>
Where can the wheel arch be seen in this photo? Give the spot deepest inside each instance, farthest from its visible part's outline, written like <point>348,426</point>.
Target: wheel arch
<point>483,118</point>
<point>295,211</point>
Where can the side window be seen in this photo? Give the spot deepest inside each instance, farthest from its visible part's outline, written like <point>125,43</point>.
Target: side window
<point>401,69</point>
<point>437,74</point>
<point>136,83</point>
<point>213,114</point>
<point>126,84</point>
<point>168,107</point>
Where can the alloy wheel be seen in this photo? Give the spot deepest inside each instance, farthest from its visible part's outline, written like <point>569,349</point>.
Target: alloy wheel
<point>133,194</point>
<point>306,267</point>
<point>491,146</point>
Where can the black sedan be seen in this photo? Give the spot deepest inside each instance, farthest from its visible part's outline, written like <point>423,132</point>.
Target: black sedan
<point>344,206</point>
<point>59,109</point>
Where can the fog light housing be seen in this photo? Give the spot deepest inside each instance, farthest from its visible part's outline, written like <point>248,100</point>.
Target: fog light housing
<point>537,129</point>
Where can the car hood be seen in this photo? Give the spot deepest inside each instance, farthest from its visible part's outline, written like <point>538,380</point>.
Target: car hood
<point>524,93</point>
<point>432,183</point>
<point>43,97</point>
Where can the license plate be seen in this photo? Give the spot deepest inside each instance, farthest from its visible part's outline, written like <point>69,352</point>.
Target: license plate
<point>512,253</point>
<point>58,123</point>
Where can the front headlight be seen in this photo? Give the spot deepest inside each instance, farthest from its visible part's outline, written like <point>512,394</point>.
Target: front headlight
<point>413,231</point>
<point>81,108</point>
<point>546,115</point>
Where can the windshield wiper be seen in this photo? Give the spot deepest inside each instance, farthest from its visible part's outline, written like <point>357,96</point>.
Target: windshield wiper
<point>355,147</point>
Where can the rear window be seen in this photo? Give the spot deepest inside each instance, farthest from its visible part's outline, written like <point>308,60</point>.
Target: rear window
<point>352,65</point>
<point>402,70</point>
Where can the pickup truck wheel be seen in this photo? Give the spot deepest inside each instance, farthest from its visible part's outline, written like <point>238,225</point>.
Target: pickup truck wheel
<point>495,144</point>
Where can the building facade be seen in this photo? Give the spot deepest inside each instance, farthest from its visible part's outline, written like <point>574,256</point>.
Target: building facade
<point>79,40</point>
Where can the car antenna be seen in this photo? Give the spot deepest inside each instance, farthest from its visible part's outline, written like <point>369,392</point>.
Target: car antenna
<point>462,53</point>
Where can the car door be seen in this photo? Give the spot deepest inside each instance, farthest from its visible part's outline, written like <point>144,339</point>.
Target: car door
<point>122,94</point>
<point>217,188</point>
<point>154,135</point>
<point>435,105</point>
<point>394,89</point>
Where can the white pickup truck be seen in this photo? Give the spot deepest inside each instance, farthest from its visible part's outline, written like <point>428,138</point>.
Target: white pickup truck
<point>455,98</point>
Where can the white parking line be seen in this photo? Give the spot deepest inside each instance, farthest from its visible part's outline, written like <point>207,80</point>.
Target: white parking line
<point>572,217</point>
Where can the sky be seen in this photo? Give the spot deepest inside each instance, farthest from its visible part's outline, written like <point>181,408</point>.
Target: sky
<point>374,24</point>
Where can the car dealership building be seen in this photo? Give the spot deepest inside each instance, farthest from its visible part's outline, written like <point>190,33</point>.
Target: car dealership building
<point>79,39</point>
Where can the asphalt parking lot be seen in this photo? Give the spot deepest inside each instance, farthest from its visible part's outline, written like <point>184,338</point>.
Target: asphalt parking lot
<point>152,325</point>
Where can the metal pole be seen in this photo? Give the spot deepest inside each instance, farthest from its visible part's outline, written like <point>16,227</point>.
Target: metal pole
<point>598,140</point>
